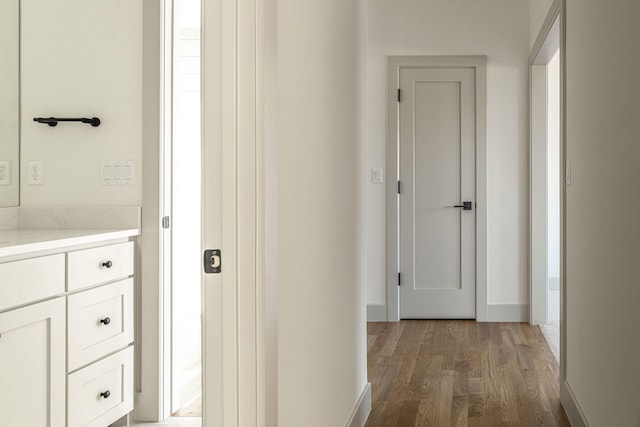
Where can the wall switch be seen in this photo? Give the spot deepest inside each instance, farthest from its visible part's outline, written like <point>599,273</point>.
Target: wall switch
<point>117,172</point>
<point>377,176</point>
<point>35,172</point>
<point>5,172</point>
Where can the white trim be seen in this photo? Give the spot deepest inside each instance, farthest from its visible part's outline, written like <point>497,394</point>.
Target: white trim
<point>538,189</point>
<point>545,47</point>
<point>267,213</point>
<point>563,193</point>
<point>480,65</point>
<point>233,211</point>
<point>376,313</point>
<point>166,200</point>
<point>508,313</point>
<point>148,354</point>
<point>361,411</point>
<point>571,407</point>
<point>557,13</point>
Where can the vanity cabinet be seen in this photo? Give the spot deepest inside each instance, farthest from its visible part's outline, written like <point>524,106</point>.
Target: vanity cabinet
<point>32,365</point>
<point>99,335</point>
<point>66,336</point>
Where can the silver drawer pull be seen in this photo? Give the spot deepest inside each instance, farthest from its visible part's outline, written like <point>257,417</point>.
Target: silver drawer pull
<point>107,264</point>
<point>105,321</point>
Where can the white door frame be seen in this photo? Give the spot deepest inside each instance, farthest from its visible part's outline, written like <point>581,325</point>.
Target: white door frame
<point>394,64</point>
<point>556,15</point>
<point>233,351</point>
<point>546,46</point>
<point>149,337</point>
<point>234,385</point>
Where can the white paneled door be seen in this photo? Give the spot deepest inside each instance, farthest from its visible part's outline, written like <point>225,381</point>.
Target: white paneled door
<point>437,193</point>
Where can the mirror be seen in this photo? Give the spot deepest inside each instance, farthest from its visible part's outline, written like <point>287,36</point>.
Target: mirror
<point>9,102</point>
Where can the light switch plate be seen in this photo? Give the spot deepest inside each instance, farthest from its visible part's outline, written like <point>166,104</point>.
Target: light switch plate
<point>117,172</point>
<point>377,176</point>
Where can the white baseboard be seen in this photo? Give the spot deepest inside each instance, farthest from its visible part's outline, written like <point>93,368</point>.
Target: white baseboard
<point>508,313</point>
<point>361,411</point>
<point>377,313</point>
<point>571,406</point>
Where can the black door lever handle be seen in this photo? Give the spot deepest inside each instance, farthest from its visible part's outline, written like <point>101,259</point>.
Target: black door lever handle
<point>466,206</point>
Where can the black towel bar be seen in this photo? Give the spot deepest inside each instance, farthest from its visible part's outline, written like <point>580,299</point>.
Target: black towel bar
<point>53,121</point>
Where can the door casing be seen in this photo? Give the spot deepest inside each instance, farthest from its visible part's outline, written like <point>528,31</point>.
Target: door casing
<point>541,55</point>
<point>557,15</point>
<point>394,64</point>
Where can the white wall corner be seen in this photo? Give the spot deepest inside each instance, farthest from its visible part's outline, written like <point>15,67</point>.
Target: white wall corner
<point>571,406</point>
<point>361,411</point>
<point>508,313</point>
<point>377,313</point>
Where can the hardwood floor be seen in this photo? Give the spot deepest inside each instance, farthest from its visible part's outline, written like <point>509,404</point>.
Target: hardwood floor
<point>462,373</point>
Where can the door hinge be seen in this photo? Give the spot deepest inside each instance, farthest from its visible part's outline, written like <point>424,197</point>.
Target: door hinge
<point>399,96</point>
<point>399,280</point>
<point>399,187</point>
<point>166,222</point>
<point>212,261</point>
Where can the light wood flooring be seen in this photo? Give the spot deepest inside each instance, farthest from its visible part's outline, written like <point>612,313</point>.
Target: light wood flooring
<point>462,373</point>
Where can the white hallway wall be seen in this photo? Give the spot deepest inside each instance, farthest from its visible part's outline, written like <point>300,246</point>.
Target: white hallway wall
<point>9,98</point>
<point>498,29</point>
<point>81,59</point>
<point>603,201</point>
<point>321,304</point>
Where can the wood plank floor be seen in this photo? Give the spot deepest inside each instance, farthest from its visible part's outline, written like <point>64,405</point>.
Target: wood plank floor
<point>462,373</point>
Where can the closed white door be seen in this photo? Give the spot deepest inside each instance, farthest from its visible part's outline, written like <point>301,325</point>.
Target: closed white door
<point>437,175</point>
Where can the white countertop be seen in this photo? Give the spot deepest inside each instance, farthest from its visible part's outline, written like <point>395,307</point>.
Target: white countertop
<point>24,241</point>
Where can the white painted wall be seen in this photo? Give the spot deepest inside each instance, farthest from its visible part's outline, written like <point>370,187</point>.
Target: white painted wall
<point>602,205</point>
<point>321,308</point>
<point>10,99</point>
<point>553,169</point>
<point>538,10</point>
<point>498,29</point>
<point>81,58</point>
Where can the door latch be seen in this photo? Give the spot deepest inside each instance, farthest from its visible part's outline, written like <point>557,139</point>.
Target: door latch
<point>212,261</point>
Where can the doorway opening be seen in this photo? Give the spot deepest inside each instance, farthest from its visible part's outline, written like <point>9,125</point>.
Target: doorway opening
<point>551,329</point>
<point>546,183</point>
<point>186,360</point>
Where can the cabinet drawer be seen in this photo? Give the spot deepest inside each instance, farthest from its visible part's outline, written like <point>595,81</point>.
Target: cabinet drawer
<point>102,392</point>
<point>100,321</point>
<point>31,280</point>
<point>99,265</point>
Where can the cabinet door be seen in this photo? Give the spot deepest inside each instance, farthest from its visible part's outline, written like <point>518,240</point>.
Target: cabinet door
<point>32,365</point>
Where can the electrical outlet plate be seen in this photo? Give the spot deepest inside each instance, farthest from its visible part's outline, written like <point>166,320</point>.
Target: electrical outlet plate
<point>5,172</point>
<point>35,172</point>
